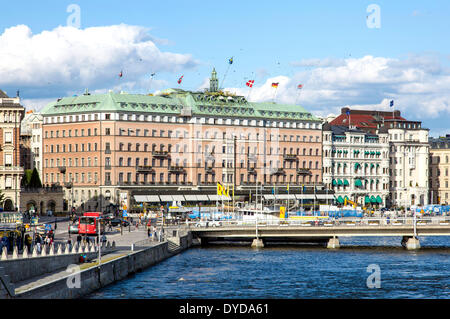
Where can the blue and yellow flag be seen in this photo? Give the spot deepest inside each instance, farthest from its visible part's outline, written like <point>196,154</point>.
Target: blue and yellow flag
<point>230,60</point>
<point>219,189</point>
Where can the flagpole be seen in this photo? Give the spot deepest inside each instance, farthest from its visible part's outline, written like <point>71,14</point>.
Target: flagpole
<point>274,96</point>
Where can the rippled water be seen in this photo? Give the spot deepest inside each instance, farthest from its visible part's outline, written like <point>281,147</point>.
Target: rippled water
<point>296,272</point>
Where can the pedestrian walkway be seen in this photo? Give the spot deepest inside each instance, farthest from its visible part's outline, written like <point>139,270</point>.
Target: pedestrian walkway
<point>123,247</point>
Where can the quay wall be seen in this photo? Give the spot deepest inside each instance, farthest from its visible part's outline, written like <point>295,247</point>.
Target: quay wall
<point>118,269</point>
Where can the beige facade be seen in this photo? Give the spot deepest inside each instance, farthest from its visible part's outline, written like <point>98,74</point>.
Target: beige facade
<point>109,146</point>
<point>11,114</point>
<point>439,170</point>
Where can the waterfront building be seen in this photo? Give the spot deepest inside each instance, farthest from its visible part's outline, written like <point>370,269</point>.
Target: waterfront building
<point>408,152</point>
<point>439,170</point>
<point>11,114</point>
<point>31,135</point>
<point>356,164</point>
<point>104,148</point>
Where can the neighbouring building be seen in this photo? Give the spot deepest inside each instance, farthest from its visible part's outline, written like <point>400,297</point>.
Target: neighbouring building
<point>105,148</point>
<point>408,152</point>
<point>356,164</point>
<point>439,170</point>
<point>11,114</point>
<point>31,135</point>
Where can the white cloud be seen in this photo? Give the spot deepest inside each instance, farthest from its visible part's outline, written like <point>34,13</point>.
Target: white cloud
<point>419,84</point>
<point>53,62</point>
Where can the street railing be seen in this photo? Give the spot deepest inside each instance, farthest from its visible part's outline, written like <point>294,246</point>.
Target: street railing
<point>324,222</point>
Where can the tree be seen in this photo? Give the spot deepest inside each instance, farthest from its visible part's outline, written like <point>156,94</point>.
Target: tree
<point>35,181</point>
<point>31,179</point>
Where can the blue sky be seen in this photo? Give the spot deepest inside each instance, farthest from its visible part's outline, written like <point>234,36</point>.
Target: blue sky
<point>309,42</point>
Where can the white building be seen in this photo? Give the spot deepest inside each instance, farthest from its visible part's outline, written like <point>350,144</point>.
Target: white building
<point>32,126</point>
<point>408,162</point>
<point>356,164</point>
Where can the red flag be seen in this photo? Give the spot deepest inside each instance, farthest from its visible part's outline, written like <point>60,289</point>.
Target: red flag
<point>275,85</point>
<point>250,83</point>
<point>180,79</point>
<point>300,86</point>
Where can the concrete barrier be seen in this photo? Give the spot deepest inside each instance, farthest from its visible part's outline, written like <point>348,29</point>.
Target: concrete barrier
<point>97,277</point>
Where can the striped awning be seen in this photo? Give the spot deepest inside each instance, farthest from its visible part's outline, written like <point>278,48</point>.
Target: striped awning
<point>178,198</point>
<point>324,196</point>
<point>202,198</point>
<point>166,198</point>
<point>147,198</point>
<point>190,198</point>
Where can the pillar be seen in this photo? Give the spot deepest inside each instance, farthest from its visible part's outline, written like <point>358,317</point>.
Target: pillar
<point>257,243</point>
<point>333,243</point>
<point>411,243</point>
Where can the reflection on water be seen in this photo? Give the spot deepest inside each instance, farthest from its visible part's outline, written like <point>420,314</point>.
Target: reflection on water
<point>292,271</point>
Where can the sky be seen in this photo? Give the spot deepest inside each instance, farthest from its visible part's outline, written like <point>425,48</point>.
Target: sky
<point>357,54</point>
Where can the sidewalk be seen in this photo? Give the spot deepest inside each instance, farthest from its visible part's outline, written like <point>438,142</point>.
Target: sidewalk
<point>123,245</point>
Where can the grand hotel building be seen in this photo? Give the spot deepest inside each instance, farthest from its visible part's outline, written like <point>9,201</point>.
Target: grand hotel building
<point>105,148</point>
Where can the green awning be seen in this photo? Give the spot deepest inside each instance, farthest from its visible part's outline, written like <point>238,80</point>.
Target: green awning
<point>378,165</point>
<point>346,183</point>
<point>340,183</point>
<point>340,200</point>
<point>358,183</point>
<point>379,200</point>
<point>334,182</point>
<point>366,165</point>
<point>372,153</point>
<point>378,181</point>
<point>372,165</point>
<point>373,200</point>
<point>378,153</point>
<point>367,200</point>
<point>356,165</point>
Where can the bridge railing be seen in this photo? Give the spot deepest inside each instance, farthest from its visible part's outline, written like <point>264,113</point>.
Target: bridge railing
<point>325,222</point>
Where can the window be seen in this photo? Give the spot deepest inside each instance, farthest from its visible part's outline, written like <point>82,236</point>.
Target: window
<point>107,131</point>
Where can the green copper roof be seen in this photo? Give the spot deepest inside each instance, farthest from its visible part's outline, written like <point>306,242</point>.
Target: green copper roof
<point>172,101</point>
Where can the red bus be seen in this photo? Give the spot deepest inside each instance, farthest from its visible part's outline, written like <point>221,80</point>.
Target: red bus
<point>88,224</point>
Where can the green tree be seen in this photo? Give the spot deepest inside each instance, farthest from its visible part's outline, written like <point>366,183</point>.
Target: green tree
<point>35,181</point>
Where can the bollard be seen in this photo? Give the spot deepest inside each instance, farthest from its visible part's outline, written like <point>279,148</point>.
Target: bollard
<point>67,250</point>
<point>35,253</point>
<point>15,254</point>
<point>92,250</point>
<point>52,251</point>
<point>44,250</point>
<point>113,244</point>
<point>4,254</point>
<point>59,250</point>
<point>80,248</point>
<point>25,253</point>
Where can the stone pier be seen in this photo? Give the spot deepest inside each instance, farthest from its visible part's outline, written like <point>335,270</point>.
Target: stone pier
<point>410,243</point>
<point>257,243</point>
<point>333,243</point>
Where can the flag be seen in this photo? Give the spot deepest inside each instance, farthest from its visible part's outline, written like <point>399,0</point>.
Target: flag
<point>230,60</point>
<point>180,79</point>
<point>275,85</point>
<point>153,74</point>
<point>391,103</point>
<point>300,86</point>
<point>120,74</point>
<point>250,83</point>
<point>227,193</point>
<point>347,112</point>
<point>219,189</point>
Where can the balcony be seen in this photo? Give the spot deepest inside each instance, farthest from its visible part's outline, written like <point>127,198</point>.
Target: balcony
<point>290,157</point>
<point>277,171</point>
<point>252,158</point>
<point>251,170</point>
<point>108,151</point>
<point>176,169</point>
<point>160,154</point>
<point>68,185</point>
<point>62,169</point>
<point>209,170</point>
<point>108,183</point>
<point>144,169</point>
<point>304,171</point>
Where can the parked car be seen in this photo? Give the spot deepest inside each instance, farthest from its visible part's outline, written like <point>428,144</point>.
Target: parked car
<point>73,228</point>
<point>117,221</point>
<point>208,223</point>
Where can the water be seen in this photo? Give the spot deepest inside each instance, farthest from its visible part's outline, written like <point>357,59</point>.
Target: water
<point>295,272</point>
